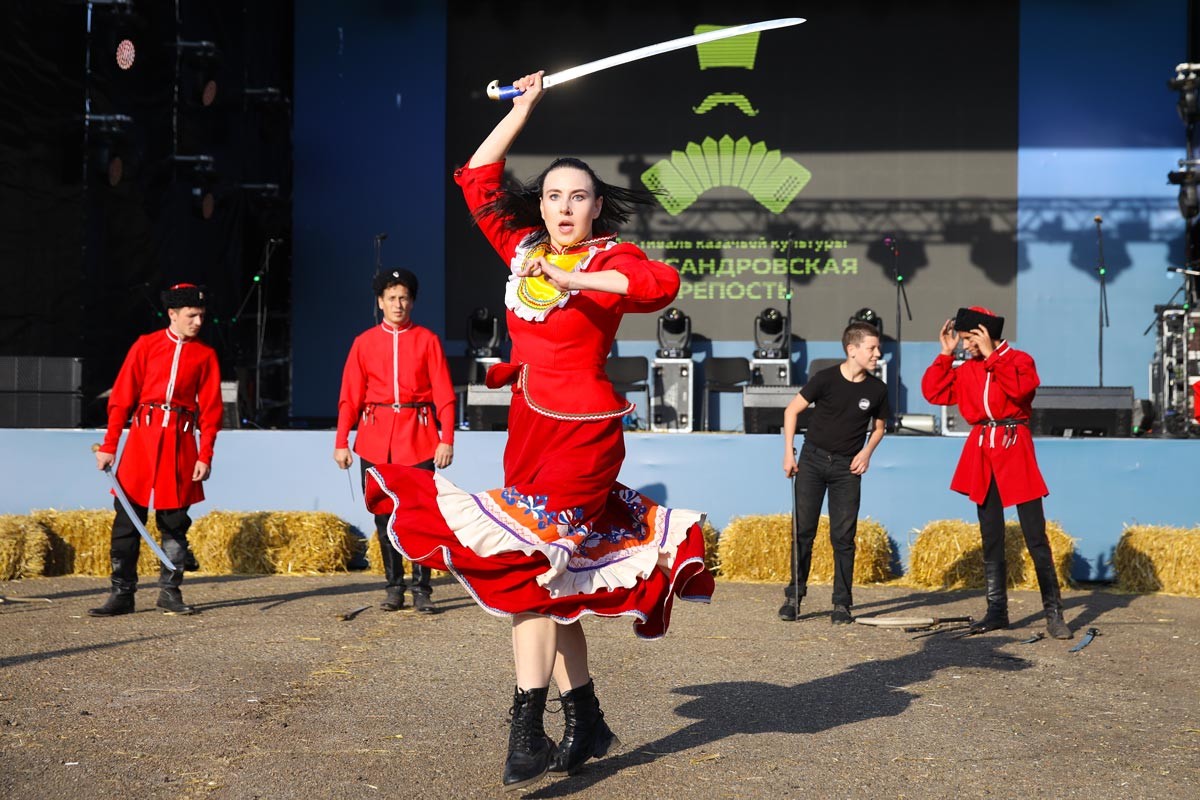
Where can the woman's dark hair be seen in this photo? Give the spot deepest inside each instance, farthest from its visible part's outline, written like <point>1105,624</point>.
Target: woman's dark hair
<point>516,204</point>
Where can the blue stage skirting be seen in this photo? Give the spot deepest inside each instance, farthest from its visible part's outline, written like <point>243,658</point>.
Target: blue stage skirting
<point>1098,486</point>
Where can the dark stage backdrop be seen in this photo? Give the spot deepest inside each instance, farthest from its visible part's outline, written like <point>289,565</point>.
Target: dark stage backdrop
<point>783,159</point>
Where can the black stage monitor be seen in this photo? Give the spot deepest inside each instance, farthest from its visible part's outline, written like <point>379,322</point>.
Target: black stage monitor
<point>1082,411</point>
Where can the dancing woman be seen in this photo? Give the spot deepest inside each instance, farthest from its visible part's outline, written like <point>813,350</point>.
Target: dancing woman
<point>562,539</point>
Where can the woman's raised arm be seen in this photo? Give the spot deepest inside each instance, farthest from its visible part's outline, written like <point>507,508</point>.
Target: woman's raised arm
<point>495,147</point>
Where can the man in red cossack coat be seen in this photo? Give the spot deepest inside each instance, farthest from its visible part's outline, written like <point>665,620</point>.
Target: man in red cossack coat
<point>396,386</point>
<point>994,390</point>
<point>169,390</point>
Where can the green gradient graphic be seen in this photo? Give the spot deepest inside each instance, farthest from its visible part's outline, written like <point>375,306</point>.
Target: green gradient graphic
<point>719,98</point>
<point>768,177</point>
<point>736,51</point>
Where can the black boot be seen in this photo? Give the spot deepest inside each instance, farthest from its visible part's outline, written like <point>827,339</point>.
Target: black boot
<point>118,602</point>
<point>585,733</point>
<point>1056,626</point>
<point>530,750</point>
<point>171,602</point>
<point>394,600</point>
<point>996,576</point>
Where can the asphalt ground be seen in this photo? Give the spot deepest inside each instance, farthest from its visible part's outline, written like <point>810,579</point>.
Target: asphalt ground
<point>267,693</point>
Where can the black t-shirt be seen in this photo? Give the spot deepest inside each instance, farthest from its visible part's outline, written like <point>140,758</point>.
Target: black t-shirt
<point>843,410</point>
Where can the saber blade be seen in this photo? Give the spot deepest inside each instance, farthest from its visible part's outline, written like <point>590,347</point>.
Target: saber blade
<point>497,92</point>
<point>137,523</point>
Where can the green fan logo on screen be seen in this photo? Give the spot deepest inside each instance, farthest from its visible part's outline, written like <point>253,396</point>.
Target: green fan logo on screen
<point>768,177</point>
<point>764,174</point>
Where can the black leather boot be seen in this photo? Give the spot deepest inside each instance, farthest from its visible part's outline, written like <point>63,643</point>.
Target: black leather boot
<point>995,574</point>
<point>394,600</point>
<point>171,602</point>
<point>1056,626</point>
<point>585,733</point>
<point>118,602</point>
<point>530,750</point>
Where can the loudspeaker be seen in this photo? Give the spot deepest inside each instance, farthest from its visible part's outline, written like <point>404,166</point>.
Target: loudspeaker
<point>762,409</point>
<point>41,409</point>
<point>671,390</point>
<point>40,374</point>
<point>487,409</point>
<point>1082,411</point>
<point>231,418</point>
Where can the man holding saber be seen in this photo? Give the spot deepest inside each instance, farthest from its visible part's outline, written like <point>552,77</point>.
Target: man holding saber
<point>170,389</point>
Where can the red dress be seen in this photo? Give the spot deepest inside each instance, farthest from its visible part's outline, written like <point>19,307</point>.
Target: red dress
<point>562,538</point>
<point>999,387</point>
<point>161,450</point>
<point>388,373</point>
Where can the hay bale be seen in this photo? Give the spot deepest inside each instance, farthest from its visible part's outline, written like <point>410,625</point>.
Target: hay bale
<point>81,542</point>
<point>712,558</point>
<point>758,548</point>
<point>24,547</point>
<point>375,560</point>
<point>948,554</point>
<point>272,542</point>
<point>1156,558</point>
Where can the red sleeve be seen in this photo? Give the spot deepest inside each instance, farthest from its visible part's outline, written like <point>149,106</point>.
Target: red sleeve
<point>652,284</point>
<point>350,400</point>
<point>212,410</point>
<point>479,187</point>
<point>1016,374</point>
<point>444,399</point>
<point>124,396</point>
<point>937,384</point>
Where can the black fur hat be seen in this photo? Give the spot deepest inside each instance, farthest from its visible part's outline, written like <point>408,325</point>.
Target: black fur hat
<point>395,277</point>
<point>185,295</point>
<point>968,319</point>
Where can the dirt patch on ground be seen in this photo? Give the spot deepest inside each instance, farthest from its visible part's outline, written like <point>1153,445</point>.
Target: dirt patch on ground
<point>267,693</point>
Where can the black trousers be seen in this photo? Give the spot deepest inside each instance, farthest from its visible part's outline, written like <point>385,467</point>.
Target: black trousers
<point>818,471</point>
<point>173,524</point>
<point>1033,527</point>
<point>393,562</point>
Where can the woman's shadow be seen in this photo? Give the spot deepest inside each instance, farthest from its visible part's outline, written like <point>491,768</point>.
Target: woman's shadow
<point>863,691</point>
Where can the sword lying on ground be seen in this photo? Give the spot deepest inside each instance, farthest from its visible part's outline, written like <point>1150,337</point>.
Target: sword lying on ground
<point>914,623</point>
<point>497,92</point>
<point>137,523</point>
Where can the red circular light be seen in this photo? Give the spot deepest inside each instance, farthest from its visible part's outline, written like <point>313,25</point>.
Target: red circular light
<point>208,94</point>
<point>125,54</point>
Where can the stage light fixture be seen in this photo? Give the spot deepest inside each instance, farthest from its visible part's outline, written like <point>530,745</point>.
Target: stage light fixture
<point>108,140</point>
<point>203,179</point>
<point>770,334</point>
<point>203,58</point>
<point>1187,83</point>
<point>868,316</point>
<point>1186,179</point>
<point>483,334</point>
<point>674,334</point>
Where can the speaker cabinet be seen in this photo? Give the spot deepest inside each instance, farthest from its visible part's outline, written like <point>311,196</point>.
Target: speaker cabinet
<point>487,409</point>
<point>1082,411</point>
<point>762,409</point>
<point>672,381</point>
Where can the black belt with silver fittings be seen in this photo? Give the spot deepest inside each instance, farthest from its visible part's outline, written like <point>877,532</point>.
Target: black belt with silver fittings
<point>422,409</point>
<point>1010,429</point>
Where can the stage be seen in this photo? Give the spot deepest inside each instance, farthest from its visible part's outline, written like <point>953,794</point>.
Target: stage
<point>1098,486</point>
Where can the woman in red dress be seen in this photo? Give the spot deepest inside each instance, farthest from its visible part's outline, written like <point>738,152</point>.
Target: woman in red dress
<point>562,539</point>
<point>994,390</point>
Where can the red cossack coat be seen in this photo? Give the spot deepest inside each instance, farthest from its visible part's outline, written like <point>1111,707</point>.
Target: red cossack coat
<point>161,450</point>
<point>387,366</point>
<point>999,387</point>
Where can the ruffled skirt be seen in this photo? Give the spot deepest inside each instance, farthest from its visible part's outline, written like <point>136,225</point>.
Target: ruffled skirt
<point>514,555</point>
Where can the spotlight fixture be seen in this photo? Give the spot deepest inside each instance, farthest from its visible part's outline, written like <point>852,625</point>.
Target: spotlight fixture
<point>674,334</point>
<point>770,334</point>
<point>203,58</point>
<point>1186,179</point>
<point>203,179</point>
<point>1187,83</point>
<point>483,334</point>
<point>868,316</point>
<point>108,140</point>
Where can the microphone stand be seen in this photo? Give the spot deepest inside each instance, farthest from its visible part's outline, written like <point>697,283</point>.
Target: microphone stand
<point>379,237</point>
<point>260,322</point>
<point>1101,271</point>
<point>787,328</point>
<point>892,243</point>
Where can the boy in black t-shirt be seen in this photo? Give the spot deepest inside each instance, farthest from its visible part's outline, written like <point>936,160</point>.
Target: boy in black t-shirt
<point>848,404</point>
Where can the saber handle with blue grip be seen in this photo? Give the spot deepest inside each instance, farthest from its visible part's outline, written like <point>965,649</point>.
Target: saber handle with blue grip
<point>137,523</point>
<point>497,92</point>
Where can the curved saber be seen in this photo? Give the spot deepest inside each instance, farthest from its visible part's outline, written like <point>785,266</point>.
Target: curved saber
<point>137,523</point>
<point>497,92</point>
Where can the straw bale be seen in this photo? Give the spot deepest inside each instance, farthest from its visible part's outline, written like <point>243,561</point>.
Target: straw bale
<point>948,554</point>
<point>311,542</point>
<point>24,547</point>
<point>711,555</point>
<point>271,542</point>
<point>375,560</point>
<point>758,548</point>
<point>81,542</point>
<point>1156,558</point>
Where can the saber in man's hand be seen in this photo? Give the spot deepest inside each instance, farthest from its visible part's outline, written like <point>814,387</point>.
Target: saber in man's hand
<point>137,523</point>
<point>497,92</point>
